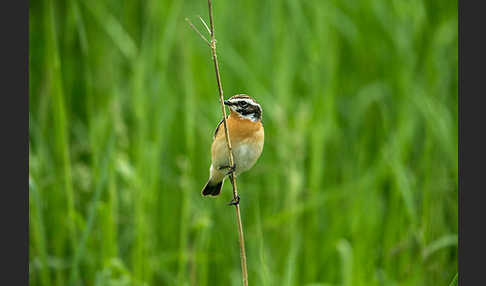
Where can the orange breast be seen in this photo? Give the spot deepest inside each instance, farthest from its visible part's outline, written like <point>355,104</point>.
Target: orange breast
<point>241,129</point>
<point>246,139</point>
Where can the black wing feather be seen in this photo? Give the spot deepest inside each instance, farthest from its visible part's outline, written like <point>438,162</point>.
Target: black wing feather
<point>217,128</point>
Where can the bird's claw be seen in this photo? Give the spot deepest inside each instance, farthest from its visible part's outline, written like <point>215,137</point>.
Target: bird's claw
<point>234,201</point>
<point>231,169</point>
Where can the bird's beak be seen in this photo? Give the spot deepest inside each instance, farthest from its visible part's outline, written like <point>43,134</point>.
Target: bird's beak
<point>226,102</point>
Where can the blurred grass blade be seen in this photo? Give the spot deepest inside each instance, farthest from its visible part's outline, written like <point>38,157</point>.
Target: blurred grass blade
<point>454,280</point>
<point>113,28</point>
<point>443,242</point>
<point>346,254</point>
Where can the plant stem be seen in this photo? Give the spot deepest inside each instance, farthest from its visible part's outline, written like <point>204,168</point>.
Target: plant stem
<point>212,45</point>
<point>244,272</point>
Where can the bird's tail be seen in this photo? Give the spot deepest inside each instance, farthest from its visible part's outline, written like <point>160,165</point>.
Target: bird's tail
<point>212,188</point>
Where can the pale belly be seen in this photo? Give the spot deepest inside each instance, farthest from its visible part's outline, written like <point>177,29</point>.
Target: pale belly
<point>245,155</point>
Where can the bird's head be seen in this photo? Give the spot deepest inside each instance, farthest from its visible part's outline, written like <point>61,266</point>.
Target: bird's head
<point>245,106</point>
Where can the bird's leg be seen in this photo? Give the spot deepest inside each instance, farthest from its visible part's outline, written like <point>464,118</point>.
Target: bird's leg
<point>236,200</point>
<point>231,169</point>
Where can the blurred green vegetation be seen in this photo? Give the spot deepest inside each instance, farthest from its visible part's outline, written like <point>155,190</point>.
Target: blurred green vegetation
<point>357,183</point>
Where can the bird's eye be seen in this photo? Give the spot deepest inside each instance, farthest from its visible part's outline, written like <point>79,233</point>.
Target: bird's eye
<point>243,104</point>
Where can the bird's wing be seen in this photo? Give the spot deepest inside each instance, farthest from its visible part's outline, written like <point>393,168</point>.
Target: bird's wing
<point>217,128</point>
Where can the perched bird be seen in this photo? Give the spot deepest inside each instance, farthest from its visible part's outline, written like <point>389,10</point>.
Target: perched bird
<point>246,134</point>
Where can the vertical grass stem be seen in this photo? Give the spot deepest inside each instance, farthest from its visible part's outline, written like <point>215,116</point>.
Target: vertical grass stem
<point>212,45</point>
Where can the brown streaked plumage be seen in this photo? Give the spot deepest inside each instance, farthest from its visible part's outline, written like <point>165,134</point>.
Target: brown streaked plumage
<point>247,137</point>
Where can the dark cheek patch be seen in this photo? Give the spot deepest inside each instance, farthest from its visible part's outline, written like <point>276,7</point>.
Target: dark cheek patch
<point>251,110</point>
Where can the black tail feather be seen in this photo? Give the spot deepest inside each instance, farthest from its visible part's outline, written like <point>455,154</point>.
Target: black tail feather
<point>212,189</point>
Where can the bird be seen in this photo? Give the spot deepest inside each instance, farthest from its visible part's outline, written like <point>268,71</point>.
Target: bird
<point>246,133</point>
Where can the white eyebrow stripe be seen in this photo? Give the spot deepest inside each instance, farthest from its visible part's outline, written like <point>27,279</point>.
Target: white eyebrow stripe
<point>247,100</point>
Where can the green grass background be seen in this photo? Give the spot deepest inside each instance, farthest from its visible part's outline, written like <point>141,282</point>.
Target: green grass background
<point>357,183</point>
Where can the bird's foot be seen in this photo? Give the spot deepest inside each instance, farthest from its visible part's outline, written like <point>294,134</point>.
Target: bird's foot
<point>231,169</point>
<point>234,201</point>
